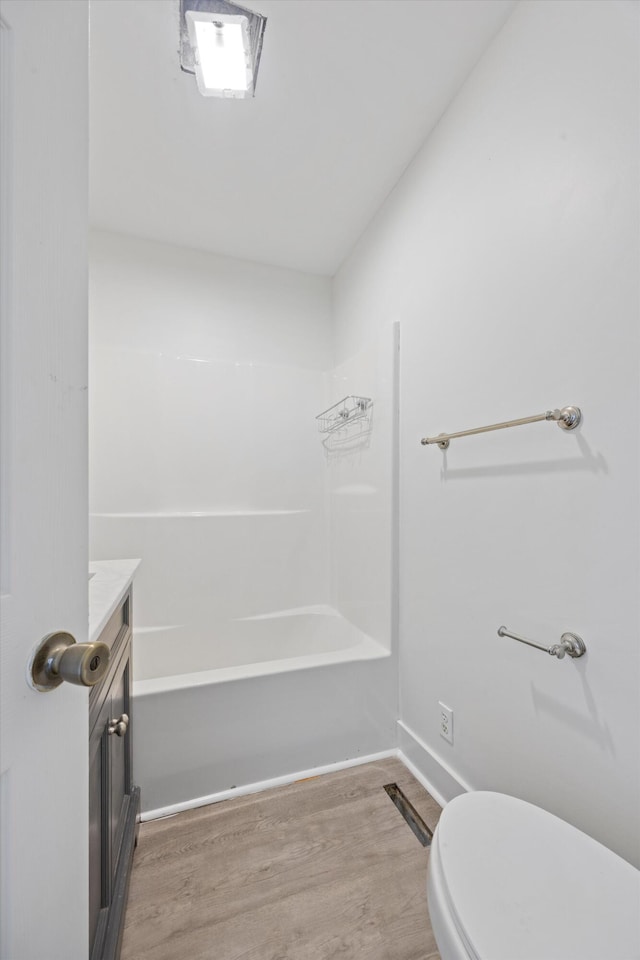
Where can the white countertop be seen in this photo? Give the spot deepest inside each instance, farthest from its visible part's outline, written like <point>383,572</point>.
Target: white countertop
<point>110,581</point>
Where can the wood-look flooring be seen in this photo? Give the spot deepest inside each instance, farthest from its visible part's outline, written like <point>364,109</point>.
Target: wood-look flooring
<point>319,869</point>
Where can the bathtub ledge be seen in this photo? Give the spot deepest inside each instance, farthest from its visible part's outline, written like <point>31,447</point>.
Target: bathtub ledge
<point>367,649</point>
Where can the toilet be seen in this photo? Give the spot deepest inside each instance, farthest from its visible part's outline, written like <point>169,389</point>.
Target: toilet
<point>508,881</point>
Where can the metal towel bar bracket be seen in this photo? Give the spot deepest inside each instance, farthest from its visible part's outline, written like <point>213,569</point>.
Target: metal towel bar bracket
<point>567,418</point>
<point>570,644</point>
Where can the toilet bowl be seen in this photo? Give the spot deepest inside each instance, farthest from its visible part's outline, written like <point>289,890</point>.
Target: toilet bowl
<point>509,881</point>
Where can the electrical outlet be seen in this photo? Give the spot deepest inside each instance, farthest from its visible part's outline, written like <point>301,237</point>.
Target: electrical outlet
<point>445,715</point>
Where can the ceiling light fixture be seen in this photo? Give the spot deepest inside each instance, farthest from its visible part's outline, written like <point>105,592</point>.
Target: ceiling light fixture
<point>221,43</point>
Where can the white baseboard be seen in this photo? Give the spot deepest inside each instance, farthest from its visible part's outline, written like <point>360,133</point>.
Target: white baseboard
<point>249,788</point>
<point>430,770</point>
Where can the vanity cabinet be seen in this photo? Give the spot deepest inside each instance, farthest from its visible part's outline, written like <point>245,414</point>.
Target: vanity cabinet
<point>114,801</point>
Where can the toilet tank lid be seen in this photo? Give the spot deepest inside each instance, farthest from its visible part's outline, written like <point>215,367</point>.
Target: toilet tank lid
<point>524,885</point>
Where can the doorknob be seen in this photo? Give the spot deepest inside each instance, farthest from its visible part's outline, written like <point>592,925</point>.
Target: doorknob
<point>58,657</point>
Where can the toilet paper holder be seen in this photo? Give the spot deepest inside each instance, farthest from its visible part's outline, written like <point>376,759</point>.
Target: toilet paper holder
<point>570,644</point>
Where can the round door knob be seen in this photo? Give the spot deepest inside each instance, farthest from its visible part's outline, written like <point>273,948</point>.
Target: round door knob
<point>84,663</point>
<point>58,657</point>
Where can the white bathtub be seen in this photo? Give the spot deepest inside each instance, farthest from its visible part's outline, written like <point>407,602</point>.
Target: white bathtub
<point>177,656</point>
<point>244,524</point>
<point>272,695</point>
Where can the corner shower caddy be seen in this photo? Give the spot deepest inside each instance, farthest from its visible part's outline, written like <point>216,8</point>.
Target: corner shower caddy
<point>348,410</point>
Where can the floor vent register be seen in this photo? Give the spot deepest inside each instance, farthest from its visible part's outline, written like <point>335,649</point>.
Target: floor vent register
<point>410,814</point>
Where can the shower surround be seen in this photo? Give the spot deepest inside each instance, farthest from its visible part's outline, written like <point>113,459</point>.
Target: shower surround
<point>263,616</point>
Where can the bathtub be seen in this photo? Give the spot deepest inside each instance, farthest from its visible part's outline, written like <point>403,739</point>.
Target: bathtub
<point>279,693</point>
<point>179,656</point>
<point>265,607</point>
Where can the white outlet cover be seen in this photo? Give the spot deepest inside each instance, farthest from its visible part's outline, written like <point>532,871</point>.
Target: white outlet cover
<point>445,721</point>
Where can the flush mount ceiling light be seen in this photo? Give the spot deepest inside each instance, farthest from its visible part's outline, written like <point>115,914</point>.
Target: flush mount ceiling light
<point>221,43</point>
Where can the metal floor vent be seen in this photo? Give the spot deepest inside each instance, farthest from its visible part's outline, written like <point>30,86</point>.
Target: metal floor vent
<point>410,814</point>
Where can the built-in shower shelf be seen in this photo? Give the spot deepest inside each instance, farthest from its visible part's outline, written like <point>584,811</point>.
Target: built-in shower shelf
<point>347,410</point>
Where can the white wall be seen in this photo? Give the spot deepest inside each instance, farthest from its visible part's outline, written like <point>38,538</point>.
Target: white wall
<point>206,376</point>
<point>361,478</point>
<point>509,254</point>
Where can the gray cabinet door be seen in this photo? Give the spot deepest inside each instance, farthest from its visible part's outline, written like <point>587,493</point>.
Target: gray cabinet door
<point>119,761</point>
<point>113,805</point>
<point>99,885</point>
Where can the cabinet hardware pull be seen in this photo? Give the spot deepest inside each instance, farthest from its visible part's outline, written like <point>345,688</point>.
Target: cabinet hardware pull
<point>119,726</point>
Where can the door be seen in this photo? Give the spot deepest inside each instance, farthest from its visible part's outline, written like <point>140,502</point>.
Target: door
<point>43,453</point>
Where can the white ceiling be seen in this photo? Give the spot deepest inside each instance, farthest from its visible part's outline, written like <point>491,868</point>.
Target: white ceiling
<point>347,92</point>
